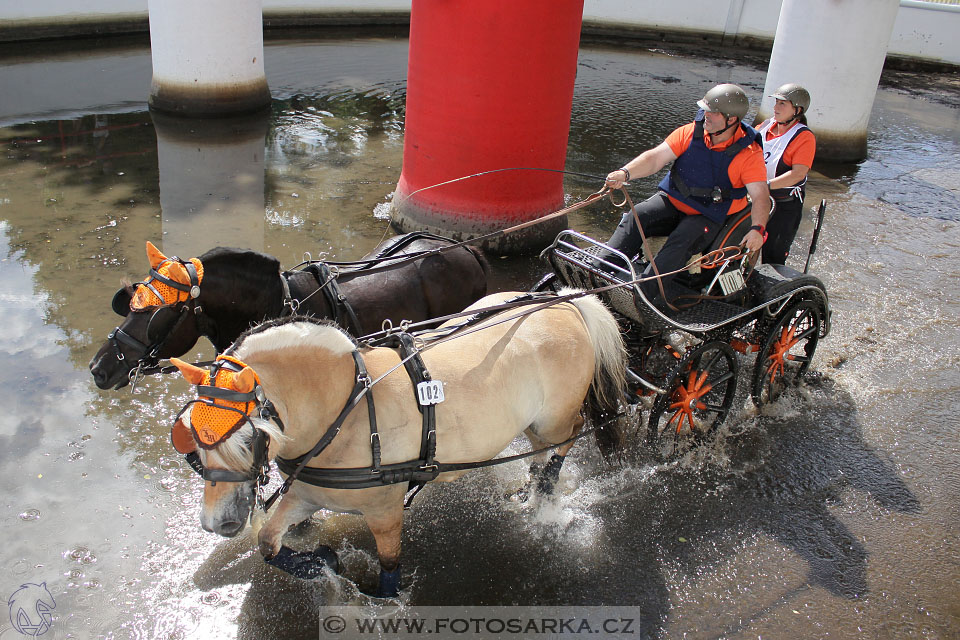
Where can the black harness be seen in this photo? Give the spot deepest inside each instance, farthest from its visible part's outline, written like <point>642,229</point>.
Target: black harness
<point>416,472</point>
<point>343,313</point>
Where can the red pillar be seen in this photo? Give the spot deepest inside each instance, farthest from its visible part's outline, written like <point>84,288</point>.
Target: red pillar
<point>489,86</point>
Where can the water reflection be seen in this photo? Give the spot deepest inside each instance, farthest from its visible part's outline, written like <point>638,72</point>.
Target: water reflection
<point>211,182</point>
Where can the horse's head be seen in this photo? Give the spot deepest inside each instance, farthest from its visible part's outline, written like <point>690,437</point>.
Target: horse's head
<point>225,441</point>
<point>160,319</point>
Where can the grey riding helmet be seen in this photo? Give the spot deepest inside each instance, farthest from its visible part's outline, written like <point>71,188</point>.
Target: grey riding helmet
<point>728,99</point>
<point>794,94</point>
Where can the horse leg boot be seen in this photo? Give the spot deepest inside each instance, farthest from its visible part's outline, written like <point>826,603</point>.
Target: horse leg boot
<point>386,531</point>
<point>550,473</point>
<point>306,565</point>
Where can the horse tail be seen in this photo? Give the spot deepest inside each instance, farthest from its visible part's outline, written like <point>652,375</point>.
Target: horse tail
<point>605,397</point>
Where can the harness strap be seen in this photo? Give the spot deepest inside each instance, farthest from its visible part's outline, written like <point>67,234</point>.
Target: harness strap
<point>411,471</point>
<point>343,312</point>
<point>418,373</point>
<point>289,304</point>
<point>296,466</point>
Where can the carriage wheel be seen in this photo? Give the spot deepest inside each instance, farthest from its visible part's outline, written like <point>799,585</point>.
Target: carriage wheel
<point>787,351</point>
<point>701,391</point>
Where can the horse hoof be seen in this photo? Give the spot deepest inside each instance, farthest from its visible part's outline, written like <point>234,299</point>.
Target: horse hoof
<point>306,565</point>
<point>549,475</point>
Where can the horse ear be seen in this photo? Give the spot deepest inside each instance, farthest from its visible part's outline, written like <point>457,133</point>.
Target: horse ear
<point>194,375</point>
<point>246,380</point>
<point>154,256</point>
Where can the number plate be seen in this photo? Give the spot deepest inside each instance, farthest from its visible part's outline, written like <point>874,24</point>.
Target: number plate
<point>430,392</point>
<point>731,281</point>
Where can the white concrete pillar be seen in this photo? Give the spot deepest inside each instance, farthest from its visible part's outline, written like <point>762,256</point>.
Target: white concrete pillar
<point>211,182</point>
<point>835,49</point>
<point>207,56</point>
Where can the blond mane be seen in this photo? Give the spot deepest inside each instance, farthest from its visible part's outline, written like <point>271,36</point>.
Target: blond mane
<point>296,333</point>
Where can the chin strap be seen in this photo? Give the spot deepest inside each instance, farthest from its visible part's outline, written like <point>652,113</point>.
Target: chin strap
<point>725,129</point>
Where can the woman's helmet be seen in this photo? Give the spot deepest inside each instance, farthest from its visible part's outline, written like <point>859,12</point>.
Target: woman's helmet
<point>728,99</point>
<point>795,94</point>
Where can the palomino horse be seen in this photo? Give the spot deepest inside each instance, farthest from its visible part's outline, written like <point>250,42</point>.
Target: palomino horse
<point>531,374</point>
<point>237,288</point>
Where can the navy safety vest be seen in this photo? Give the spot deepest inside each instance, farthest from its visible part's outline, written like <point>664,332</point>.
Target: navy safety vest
<point>773,151</point>
<point>699,177</point>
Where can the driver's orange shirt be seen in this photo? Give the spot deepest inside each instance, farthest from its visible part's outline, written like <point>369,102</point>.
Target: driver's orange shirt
<point>746,167</point>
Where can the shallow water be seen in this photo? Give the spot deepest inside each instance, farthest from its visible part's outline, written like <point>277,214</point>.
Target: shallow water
<point>831,513</point>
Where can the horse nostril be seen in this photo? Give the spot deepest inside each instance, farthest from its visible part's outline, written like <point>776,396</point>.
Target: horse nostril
<point>229,528</point>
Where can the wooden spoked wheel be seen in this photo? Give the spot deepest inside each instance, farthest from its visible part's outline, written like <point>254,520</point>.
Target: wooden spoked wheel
<point>700,392</point>
<point>786,352</point>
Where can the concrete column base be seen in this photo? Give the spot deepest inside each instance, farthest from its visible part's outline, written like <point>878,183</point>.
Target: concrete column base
<point>408,216</point>
<point>209,101</point>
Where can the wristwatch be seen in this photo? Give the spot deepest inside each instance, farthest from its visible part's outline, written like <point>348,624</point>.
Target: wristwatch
<point>759,228</point>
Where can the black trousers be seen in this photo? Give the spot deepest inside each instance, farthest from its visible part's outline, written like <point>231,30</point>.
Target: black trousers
<point>781,230</point>
<point>686,235</point>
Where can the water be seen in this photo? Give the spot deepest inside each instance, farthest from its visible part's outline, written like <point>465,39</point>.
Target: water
<point>831,513</point>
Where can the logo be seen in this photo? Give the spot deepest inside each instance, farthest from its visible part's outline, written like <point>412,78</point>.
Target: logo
<point>30,608</point>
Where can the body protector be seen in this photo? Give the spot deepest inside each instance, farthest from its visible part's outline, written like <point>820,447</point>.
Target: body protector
<point>773,157</point>
<point>699,176</point>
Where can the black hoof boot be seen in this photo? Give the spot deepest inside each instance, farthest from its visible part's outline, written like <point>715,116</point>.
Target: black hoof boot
<point>389,585</point>
<point>306,565</point>
<point>549,475</point>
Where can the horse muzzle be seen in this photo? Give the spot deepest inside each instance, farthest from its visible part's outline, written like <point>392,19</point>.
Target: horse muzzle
<point>227,515</point>
<point>108,371</point>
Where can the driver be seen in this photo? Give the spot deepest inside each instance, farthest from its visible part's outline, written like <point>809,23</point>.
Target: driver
<point>717,161</point>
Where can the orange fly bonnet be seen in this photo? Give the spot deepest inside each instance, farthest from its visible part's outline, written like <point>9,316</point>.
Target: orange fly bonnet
<point>169,283</point>
<point>213,418</point>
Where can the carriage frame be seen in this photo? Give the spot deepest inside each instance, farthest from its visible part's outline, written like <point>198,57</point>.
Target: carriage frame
<point>684,364</point>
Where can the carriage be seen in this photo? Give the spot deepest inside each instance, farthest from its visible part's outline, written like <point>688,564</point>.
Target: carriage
<point>685,360</point>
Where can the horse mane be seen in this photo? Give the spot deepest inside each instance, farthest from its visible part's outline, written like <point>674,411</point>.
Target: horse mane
<point>258,269</point>
<point>295,332</point>
<point>247,256</point>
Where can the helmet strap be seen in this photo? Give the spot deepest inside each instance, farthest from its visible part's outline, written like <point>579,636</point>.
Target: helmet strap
<point>796,114</point>
<point>726,128</point>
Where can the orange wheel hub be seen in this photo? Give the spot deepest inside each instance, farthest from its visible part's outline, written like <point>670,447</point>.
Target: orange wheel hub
<point>687,398</point>
<point>780,352</point>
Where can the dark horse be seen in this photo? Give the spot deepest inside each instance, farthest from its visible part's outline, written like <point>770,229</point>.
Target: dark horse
<point>225,291</point>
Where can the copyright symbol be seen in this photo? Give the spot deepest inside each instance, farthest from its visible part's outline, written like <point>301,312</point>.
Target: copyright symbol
<point>334,624</point>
